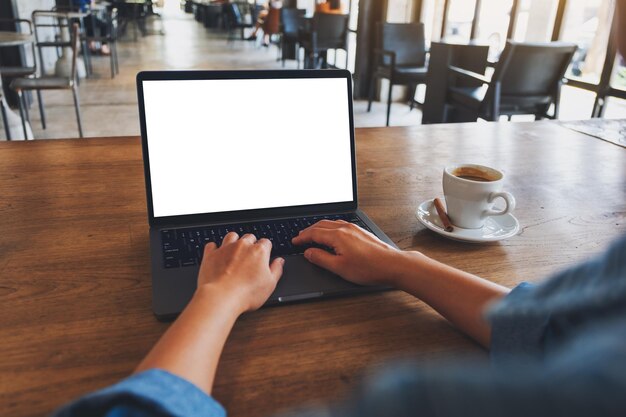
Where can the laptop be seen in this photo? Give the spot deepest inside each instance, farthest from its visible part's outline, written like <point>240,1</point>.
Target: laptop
<point>262,152</point>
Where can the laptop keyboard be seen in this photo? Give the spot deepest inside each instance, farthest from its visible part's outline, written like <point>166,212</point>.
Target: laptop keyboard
<point>184,247</point>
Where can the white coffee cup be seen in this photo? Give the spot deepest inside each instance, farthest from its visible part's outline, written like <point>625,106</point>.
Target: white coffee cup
<point>470,191</point>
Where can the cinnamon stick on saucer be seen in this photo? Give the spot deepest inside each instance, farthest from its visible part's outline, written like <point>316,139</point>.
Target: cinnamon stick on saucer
<point>443,216</point>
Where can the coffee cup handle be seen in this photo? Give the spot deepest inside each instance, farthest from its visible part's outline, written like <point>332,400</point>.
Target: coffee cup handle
<point>507,197</point>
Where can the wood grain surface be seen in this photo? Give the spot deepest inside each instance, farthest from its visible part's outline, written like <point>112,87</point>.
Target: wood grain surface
<point>75,282</point>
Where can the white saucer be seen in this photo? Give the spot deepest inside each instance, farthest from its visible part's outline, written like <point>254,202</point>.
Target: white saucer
<point>495,228</point>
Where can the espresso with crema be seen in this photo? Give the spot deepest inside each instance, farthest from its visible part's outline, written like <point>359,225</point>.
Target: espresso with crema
<point>474,174</point>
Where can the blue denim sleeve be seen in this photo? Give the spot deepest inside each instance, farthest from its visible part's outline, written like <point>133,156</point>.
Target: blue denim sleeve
<point>535,320</point>
<point>516,332</point>
<point>147,394</point>
<point>557,350</point>
<point>588,378</point>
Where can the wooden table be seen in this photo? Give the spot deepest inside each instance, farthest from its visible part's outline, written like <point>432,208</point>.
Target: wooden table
<point>75,282</point>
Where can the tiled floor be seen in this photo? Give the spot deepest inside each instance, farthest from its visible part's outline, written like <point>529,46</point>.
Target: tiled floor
<point>109,106</point>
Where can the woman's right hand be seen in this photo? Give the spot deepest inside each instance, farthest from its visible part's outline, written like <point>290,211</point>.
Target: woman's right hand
<point>241,270</point>
<point>359,256</point>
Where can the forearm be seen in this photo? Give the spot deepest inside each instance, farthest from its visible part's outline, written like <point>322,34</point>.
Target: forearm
<point>458,296</point>
<point>192,346</point>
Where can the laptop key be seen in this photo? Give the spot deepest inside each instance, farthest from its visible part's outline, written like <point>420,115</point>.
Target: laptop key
<point>188,262</point>
<point>172,263</point>
<point>167,236</point>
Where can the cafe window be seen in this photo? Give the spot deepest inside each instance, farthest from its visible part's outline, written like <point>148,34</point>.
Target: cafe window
<point>308,5</point>
<point>535,20</point>
<point>618,79</point>
<point>432,17</point>
<point>588,24</point>
<point>352,27</point>
<point>459,22</point>
<point>615,108</point>
<point>493,25</point>
<point>576,103</point>
<point>399,11</point>
<point>337,57</point>
<point>354,15</point>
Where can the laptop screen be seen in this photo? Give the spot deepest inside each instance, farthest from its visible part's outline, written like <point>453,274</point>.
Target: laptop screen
<point>239,144</point>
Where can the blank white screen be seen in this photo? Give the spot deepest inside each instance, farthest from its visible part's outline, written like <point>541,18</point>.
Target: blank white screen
<point>223,145</point>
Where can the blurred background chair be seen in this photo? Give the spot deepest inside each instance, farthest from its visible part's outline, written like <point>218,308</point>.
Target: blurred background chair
<point>400,58</point>
<point>107,36</point>
<point>527,80</point>
<point>290,22</point>
<point>472,57</point>
<point>325,31</point>
<point>20,85</point>
<point>235,14</point>
<point>48,28</point>
<point>87,16</point>
<point>133,12</point>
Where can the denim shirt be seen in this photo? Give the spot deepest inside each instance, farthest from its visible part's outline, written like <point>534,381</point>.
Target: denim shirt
<point>557,349</point>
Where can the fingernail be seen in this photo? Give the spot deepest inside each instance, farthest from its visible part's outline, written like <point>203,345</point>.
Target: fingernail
<point>307,254</point>
<point>282,260</point>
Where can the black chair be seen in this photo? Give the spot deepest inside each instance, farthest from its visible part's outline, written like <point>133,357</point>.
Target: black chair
<point>441,55</point>
<point>290,22</point>
<point>235,18</point>
<point>400,58</point>
<point>325,31</point>
<point>212,15</point>
<point>527,80</point>
<point>20,85</point>
<point>109,36</point>
<point>134,13</point>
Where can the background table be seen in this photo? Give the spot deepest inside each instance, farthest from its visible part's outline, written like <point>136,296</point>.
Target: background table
<point>14,129</point>
<point>75,282</point>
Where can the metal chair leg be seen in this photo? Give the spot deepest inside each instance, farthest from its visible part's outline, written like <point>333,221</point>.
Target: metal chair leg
<point>87,57</point>
<point>114,54</point>
<point>20,98</point>
<point>42,113</point>
<point>389,102</point>
<point>77,107</point>
<point>5,120</point>
<point>371,93</point>
<point>298,57</point>
<point>26,112</point>
<point>135,19</point>
<point>111,61</point>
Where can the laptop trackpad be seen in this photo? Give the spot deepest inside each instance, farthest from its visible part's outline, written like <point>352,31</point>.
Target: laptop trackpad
<point>303,280</point>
